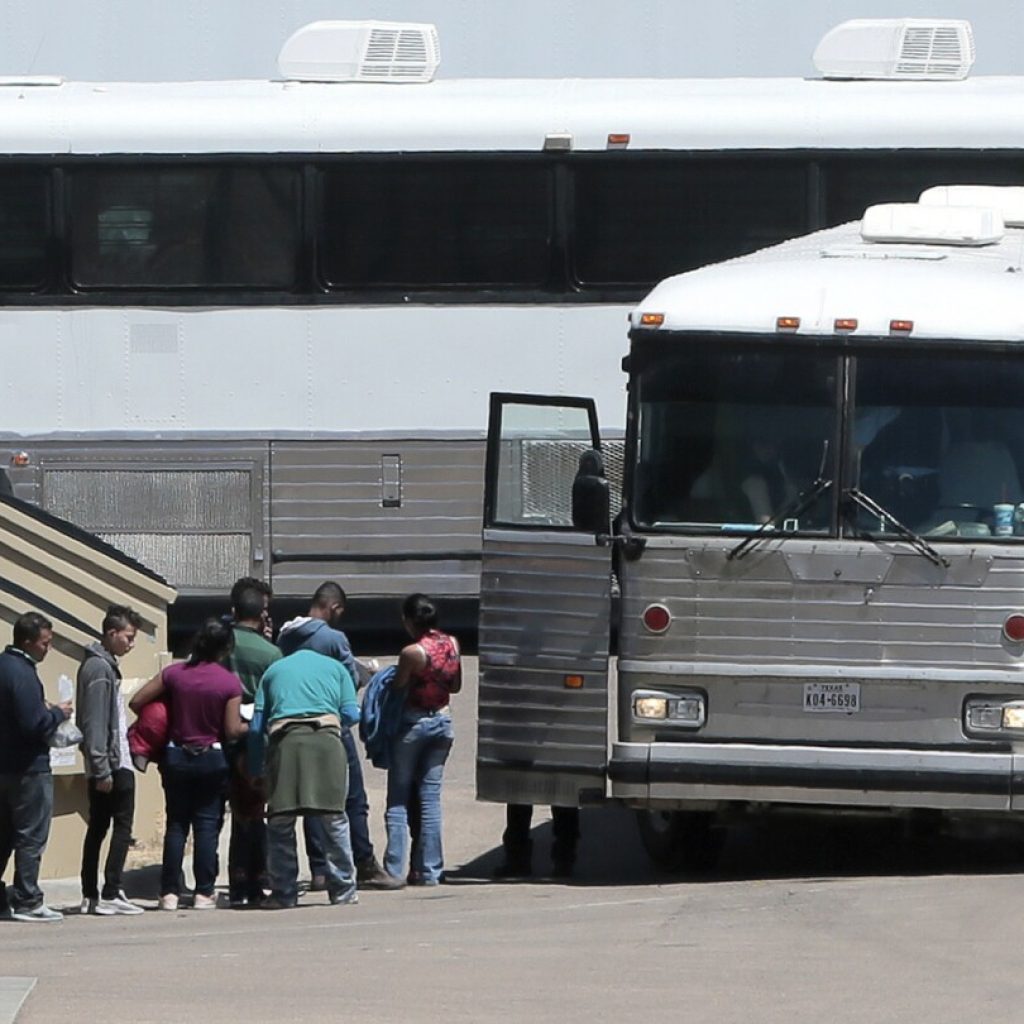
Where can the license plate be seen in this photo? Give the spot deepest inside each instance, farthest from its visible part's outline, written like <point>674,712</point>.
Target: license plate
<point>840,697</point>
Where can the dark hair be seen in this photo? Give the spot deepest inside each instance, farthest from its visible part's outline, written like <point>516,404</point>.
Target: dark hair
<point>247,583</point>
<point>214,642</point>
<point>27,627</point>
<point>248,603</point>
<point>419,611</point>
<point>120,616</point>
<point>327,594</point>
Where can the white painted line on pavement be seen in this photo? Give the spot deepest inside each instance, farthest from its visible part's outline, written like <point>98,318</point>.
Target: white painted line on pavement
<point>13,992</point>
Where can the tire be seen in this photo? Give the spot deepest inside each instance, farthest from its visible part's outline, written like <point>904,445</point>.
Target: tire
<point>681,841</point>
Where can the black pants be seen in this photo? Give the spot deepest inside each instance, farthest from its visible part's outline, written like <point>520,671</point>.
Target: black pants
<point>118,808</point>
<point>565,827</point>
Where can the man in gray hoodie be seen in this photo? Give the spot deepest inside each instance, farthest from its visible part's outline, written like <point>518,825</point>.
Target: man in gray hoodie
<point>108,765</point>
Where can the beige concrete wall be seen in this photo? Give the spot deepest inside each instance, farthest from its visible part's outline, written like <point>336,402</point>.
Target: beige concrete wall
<point>43,568</point>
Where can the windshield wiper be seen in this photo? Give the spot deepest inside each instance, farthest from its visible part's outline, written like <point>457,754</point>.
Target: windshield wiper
<point>916,541</point>
<point>792,510</point>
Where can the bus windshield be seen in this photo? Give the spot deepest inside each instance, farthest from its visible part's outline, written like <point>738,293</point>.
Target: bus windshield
<point>728,437</point>
<point>938,442</point>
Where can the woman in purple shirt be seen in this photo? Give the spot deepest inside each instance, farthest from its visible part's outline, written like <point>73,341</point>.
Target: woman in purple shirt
<point>203,700</point>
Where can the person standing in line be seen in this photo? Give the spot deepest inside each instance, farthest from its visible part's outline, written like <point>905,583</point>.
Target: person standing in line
<point>302,703</point>
<point>253,654</point>
<point>319,632</point>
<point>108,764</point>
<point>204,699</point>
<point>26,782</point>
<point>429,671</point>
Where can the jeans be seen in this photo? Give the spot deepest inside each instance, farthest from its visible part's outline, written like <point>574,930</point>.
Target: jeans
<point>26,808</point>
<point>357,807</point>
<point>117,807</point>
<point>283,862</point>
<point>195,788</point>
<point>247,847</point>
<point>417,766</point>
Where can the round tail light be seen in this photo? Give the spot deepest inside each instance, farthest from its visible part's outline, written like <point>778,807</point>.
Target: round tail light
<point>1013,628</point>
<point>656,618</point>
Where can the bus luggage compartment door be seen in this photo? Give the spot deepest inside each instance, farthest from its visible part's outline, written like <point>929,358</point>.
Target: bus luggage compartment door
<point>544,608</point>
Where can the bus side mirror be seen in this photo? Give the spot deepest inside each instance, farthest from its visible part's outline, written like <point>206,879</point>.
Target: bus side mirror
<point>591,501</point>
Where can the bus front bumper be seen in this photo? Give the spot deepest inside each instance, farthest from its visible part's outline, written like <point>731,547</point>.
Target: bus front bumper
<point>688,773</point>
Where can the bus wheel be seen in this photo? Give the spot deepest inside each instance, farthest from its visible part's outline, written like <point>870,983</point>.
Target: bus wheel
<point>681,840</point>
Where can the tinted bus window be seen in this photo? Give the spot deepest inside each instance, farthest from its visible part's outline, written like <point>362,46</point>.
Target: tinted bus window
<point>637,222</point>
<point>173,227</point>
<point>409,223</point>
<point>24,227</point>
<point>853,183</point>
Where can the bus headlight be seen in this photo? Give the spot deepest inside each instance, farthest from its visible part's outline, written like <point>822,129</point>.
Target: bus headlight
<point>687,710</point>
<point>1013,715</point>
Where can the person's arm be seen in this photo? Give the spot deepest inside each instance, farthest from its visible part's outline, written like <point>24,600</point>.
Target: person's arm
<point>255,748</point>
<point>153,690</point>
<point>456,684</point>
<point>343,652</point>
<point>234,726</point>
<point>348,706</point>
<point>94,702</point>
<point>34,717</point>
<point>413,659</point>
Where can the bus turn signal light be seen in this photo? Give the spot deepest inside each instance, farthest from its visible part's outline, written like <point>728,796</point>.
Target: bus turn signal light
<point>901,326</point>
<point>652,319</point>
<point>573,682</point>
<point>847,324</point>
<point>787,323</point>
<point>20,459</point>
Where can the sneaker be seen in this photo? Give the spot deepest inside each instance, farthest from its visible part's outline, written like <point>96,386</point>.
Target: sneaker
<point>5,914</point>
<point>42,913</point>
<point>169,901</point>
<point>344,899</point>
<point>92,906</point>
<point>120,904</point>
<point>201,902</point>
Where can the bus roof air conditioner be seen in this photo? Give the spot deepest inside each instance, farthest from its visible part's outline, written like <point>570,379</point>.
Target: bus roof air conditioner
<point>937,225</point>
<point>915,49</point>
<point>1007,199</point>
<point>361,51</point>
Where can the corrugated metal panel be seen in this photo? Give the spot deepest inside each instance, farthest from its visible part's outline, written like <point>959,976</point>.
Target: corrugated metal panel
<point>334,513</point>
<point>544,602</point>
<point>753,634</point>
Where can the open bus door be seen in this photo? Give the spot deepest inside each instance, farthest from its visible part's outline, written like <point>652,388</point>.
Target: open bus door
<point>545,604</point>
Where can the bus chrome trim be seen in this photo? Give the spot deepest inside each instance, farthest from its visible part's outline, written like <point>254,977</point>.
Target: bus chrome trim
<point>909,673</point>
<point>868,776</point>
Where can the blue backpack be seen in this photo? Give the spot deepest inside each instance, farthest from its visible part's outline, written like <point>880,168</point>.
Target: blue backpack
<point>381,717</point>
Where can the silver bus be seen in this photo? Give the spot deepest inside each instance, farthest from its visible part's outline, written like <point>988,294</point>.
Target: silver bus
<point>817,569</point>
<point>250,327</point>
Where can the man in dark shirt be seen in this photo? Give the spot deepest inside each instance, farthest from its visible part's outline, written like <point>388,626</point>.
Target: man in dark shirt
<point>252,656</point>
<point>26,783</point>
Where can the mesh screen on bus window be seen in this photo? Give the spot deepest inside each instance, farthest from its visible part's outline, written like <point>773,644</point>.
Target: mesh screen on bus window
<point>639,222</point>
<point>185,226</point>
<point>414,223</point>
<point>24,227</point>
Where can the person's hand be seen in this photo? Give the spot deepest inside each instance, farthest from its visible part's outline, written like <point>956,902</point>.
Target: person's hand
<point>65,708</point>
<point>105,785</point>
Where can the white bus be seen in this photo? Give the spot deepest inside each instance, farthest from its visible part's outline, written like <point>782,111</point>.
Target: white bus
<point>820,549</point>
<point>251,327</point>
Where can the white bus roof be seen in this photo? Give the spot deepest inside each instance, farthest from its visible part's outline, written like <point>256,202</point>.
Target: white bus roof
<point>55,117</point>
<point>945,291</point>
